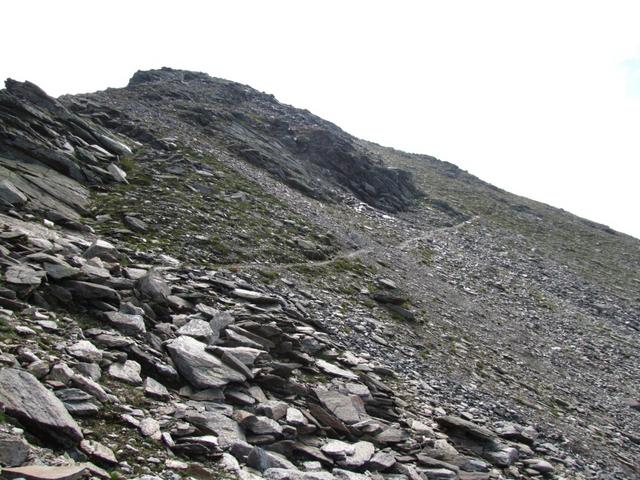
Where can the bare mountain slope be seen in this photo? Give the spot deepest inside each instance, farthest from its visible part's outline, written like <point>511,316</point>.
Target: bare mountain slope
<point>289,293</point>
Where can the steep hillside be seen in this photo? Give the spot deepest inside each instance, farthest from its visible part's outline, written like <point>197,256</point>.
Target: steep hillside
<point>198,281</point>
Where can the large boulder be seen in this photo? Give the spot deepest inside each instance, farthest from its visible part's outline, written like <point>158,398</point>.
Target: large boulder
<point>153,287</point>
<point>201,369</point>
<point>22,396</point>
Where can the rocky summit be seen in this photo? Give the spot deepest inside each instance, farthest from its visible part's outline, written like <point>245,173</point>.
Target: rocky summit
<point>199,282</point>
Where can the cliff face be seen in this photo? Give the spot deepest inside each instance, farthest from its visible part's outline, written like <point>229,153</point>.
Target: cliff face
<point>200,281</point>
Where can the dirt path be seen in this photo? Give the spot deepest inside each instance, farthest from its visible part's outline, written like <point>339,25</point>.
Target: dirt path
<point>404,246</point>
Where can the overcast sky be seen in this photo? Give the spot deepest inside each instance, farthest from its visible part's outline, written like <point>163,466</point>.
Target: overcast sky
<point>539,98</point>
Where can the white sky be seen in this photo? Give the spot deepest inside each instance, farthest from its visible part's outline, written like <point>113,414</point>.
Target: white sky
<point>539,98</point>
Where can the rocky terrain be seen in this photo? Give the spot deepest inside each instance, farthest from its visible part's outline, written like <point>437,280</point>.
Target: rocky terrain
<point>199,282</point>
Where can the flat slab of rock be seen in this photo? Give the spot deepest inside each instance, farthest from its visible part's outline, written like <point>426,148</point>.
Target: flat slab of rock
<point>198,329</point>
<point>128,372</point>
<point>262,460</point>
<point>254,297</point>
<point>98,452</point>
<point>92,291</point>
<point>126,323</point>
<point>154,389</point>
<point>261,425</point>
<point>24,275</point>
<point>201,369</point>
<point>153,287</point>
<point>227,430</point>
<point>86,351</point>
<point>287,474</point>
<point>462,426</point>
<point>381,461</point>
<point>61,272</point>
<point>363,451</point>
<point>338,449</point>
<point>149,427</point>
<point>101,249</point>
<point>44,472</point>
<point>349,409</point>
<point>10,194</point>
<point>334,370</point>
<point>14,450</point>
<point>37,408</point>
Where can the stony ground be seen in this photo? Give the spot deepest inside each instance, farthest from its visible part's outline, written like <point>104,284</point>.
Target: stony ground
<point>199,282</point>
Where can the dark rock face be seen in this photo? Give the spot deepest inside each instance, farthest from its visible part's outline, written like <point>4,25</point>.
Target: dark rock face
<point>48,155</point>
<point>300,149</point>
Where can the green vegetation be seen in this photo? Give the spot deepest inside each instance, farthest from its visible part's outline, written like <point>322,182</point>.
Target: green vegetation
<point>426,255</point>
<point>207,214</point>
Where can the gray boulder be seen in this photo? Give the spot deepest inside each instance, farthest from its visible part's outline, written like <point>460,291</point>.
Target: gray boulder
<point>201,369</point>
<point>14,450</point>
<point>153,287</point>
<point>22,396</point>
<point>127,324</point>
<point>10,194</point>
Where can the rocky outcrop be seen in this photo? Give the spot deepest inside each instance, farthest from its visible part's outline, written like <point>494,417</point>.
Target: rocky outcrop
<point>298,148</point>
<point>48,155</point>
<point>203,319</point>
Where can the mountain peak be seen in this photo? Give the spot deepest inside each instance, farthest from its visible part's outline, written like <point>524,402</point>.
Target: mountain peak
<point>195,277</point>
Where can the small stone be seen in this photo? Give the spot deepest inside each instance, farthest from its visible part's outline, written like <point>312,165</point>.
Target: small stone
<point>440,474</point>
<point>86,351</point>
<point>39,368</point>
<point>254,297</point>
<point>101,249</point>
<point>200,369</point>
<point>312,466</point>
<point>126,323</point>
<point>349,409</point>
<point>262,460</point>
<point>503,458</point>
<point>381,461</point>
<point>338,449</point>
<point>14,450</point>
<point>363,453</point>
<point>98,452</point>
<point>90,370</point>
<point>289,474</point>
<point>539,465</point>
<point>392,435</point>
<point>198,329</point>
<point>334,370</point>
<point>154,389</point>
<point>153,287</point>
<point>295,417</point>
<point>150,427</point>
<point>261,425</point>
<point>135,224</point>
<point>61,372</point>
<point>174,464</point>
<point>128,372</point>
<point>465,426</point>
<point>23,330</point>
<point>272,408</point>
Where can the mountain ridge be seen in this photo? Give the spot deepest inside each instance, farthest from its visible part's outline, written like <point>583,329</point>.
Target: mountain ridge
<point>433,325</point>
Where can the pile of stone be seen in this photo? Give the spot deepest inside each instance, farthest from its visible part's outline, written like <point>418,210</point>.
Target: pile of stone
<point>230,372</point>
<point>48,155</point>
